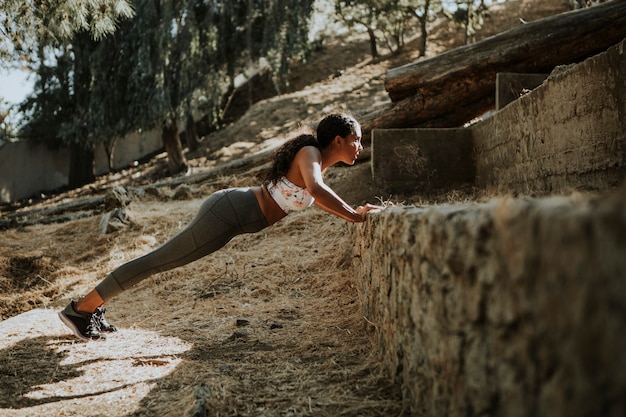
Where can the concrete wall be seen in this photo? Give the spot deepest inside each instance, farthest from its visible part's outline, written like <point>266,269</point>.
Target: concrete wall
<point>129,149</point>
<point>510,86</point>
<point>423,159</point>
<point>568,133</point>
<point>27,169</point>
<point>511,308</point>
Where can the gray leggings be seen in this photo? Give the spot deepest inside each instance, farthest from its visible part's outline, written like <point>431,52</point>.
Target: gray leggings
<point>222,216</point>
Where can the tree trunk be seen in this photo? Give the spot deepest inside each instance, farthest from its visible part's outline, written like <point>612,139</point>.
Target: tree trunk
<point>82,165</point>
<point>109,148</point>
<point>424,30</point>
<point>176,161</point>
<point>373,47</point>
<point>449,89</point>
<point>82,160</point>
<point>191,133</point>
<point>422,45</point>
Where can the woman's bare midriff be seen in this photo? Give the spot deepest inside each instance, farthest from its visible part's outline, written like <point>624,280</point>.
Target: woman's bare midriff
<point>270,209</point>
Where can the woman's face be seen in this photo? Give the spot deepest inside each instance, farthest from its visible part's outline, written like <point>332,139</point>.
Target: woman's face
<point>351,146</point>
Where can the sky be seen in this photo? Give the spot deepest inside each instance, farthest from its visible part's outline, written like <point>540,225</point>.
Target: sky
<point>14,85</point>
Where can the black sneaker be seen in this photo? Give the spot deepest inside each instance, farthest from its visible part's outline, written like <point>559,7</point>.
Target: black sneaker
<point>84,325</point>
<point>103,324</point>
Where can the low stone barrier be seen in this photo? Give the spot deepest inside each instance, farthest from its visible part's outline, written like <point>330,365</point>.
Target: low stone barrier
<point>509,308</point>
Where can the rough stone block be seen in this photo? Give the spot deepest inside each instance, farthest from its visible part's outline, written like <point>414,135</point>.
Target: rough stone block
<point>509,308</point>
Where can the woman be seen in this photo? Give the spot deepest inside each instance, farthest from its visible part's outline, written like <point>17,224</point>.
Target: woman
<point>294,183</point>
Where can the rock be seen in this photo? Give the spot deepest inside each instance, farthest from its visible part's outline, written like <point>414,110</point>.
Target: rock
<point>243,322</point>
<point>114,220</point>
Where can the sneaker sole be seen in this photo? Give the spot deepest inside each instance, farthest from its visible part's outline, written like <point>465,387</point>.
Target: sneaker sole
<point>69,323</point>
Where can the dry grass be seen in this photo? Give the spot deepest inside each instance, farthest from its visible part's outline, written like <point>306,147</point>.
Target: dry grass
<point>270,325</point>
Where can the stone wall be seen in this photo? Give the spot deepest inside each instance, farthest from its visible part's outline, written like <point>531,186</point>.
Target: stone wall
<point>508,308</point>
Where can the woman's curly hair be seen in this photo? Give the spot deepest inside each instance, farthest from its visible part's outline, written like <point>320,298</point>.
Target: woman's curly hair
<point>329,127</point>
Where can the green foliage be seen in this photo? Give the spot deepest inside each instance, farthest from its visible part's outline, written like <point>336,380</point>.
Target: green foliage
<point>470,15</point>
<point>25,24</point>
<point>285,28</point>
<point>43,116</point>
<point>386,19</point>
<point>6,123</point>
<point>174,58</point>
<point>581,4</point>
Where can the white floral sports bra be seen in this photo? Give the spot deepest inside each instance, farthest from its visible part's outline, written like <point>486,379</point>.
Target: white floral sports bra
<point>289,196</point>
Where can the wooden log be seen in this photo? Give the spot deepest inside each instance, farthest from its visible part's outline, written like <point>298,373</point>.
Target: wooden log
<point>57,213</point>
<point>78,208</point>
<point>535,47</point>
<point>419,111</point>
<point>249,164</point>
<point>24,221</point>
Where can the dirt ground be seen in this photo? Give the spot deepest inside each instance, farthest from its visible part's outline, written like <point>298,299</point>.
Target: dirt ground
<point>268,326</point>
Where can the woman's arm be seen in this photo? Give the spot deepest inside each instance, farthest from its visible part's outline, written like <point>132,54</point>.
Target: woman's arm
<point>361,210</point>
<point>309,163</point>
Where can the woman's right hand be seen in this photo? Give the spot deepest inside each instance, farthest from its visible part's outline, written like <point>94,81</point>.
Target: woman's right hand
<point>363,210</point>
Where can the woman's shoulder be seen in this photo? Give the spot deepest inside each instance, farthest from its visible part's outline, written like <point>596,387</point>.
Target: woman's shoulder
<point>309,150</point>
<point>308,155</point>
<point>305,160</point>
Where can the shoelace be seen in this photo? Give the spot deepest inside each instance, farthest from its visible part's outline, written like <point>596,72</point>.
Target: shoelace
<point>94,324</point>
<point>101,321</point>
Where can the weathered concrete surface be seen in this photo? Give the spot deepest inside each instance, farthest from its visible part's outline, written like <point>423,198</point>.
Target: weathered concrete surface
<point>511,86</point>
<point>510,308</point>
<point>569,133</point>
<point>27,169</point>
<point>422,159</point>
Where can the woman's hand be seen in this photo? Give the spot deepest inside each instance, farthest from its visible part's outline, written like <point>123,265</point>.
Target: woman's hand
<point>363,210</point>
